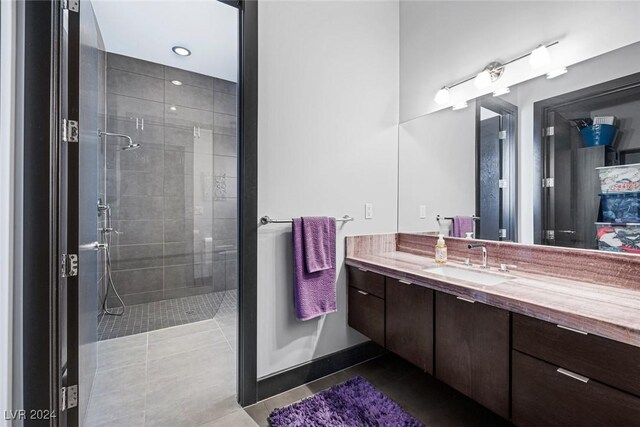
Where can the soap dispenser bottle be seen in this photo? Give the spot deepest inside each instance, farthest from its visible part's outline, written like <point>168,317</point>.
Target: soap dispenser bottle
<point>441,250</point>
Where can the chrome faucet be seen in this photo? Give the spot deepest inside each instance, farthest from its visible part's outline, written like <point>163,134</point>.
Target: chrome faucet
<point>484,253</point>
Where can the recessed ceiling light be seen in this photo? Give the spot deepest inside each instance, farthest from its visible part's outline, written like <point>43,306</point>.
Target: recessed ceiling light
<point>173,108</point>
<point>180,50</point>
<point>460,106</point>
<point>176,82</point>
<point>557,72</point>
<point>501,91</point>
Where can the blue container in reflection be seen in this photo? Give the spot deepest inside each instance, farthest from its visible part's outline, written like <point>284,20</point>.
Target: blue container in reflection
<point>621,207</point>
<point>595,135</point>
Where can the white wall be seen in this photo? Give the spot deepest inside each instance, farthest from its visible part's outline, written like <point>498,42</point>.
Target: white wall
<point>437,168</point>
<point>328,144</point>
<point>616,64</point>
<point>445,41</point>
<point>7,170</point>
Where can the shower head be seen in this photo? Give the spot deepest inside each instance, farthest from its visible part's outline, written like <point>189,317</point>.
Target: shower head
<point>131,145</point>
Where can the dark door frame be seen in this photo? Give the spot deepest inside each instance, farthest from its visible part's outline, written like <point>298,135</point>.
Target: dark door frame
<point>509,164</point>
<point>41,252</point>
<point>541,110</point>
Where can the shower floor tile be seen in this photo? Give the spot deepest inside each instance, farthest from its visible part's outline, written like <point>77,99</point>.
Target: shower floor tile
<point>151,316</point>
<point>179,376</point>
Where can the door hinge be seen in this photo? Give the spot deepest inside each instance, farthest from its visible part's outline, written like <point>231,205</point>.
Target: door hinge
<point>502,134</point>
<point>72,5</point>
<point>503,183</point>
<point>69,130</point>
<point>550,234</point>
<point>548,182</point>
<point>68,397</point>
<point>69,265</point>
<point>548,131</point>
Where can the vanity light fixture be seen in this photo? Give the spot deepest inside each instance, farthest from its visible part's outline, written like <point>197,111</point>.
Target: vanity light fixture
<point>501,91</point>
<point>539,57</point>
<point>442,96</point>
<point>490,74</point>
<point>494,70</point>
<point>176,82</point>
<point>460,106</point>
<point>557,72</point>
<point>181,50</point>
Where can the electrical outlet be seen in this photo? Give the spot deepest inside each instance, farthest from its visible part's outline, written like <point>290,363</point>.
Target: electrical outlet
<point>368,210</point>
<point>423,211</point>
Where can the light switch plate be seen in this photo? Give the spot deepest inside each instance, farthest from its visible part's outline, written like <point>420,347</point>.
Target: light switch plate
<point>368,210</point>
<point>423,211</point>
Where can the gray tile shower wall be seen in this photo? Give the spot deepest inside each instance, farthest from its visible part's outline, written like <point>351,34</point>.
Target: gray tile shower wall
<point>174,199</point>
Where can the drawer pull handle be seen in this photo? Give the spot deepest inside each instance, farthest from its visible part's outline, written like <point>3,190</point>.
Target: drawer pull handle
<point>573,375</point>
<point>362,269</point>
<point>363,292</point>
<point>406,282</point>
<point>577,331</point>
<point>466,299</point>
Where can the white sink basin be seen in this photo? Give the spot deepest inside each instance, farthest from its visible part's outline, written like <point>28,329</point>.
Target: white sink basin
<point>480,278</point>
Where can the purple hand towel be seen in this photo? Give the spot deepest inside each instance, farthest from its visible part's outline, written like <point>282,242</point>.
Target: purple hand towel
<point>462,225</point>
<point>317,237</point>
<point>314,292</point>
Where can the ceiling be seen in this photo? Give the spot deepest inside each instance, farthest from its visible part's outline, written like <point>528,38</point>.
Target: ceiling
<point>148,29</point>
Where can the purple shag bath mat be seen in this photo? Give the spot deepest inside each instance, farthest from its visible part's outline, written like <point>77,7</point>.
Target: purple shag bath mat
<point>354,403</point>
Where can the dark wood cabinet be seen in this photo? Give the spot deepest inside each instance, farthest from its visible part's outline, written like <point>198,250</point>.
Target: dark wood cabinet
<point>409,322</point>
<point>472,350</point>
<point>367,281</point>
<point>544,394</point>
<point>586,354</point>
<point>365,314</point>
<point>533,372</point>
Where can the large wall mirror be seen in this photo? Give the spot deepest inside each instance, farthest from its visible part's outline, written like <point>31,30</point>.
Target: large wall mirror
<point>553,161</point>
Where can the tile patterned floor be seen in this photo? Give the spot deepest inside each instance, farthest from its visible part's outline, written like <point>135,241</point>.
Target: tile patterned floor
<point>430,401</point>
<point>151,316</point>
<point>177,376</point>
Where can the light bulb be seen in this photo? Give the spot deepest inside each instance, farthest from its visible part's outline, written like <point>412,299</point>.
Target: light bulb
<point>539,57</point>
<point>483,79</point>
<point>443,96</point>
<point>557,72</point>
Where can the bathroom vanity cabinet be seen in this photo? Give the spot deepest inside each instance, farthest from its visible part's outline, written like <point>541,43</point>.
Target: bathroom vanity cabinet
<point>566,377</point>
<point>533,372</point>
<point>366,304</point>
<point>409,322</point>
<point>472,350</point>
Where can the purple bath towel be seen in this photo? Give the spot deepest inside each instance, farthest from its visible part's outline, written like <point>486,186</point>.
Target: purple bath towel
<point>462,225</point>
<point>317,237</point>
<point>314,292</point>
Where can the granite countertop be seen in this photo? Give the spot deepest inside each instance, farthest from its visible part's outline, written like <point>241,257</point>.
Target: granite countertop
<point>607,311</point>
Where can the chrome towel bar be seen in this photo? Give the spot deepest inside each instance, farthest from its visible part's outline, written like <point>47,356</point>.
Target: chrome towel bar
<point>438,217</point>
<point>267,220</point>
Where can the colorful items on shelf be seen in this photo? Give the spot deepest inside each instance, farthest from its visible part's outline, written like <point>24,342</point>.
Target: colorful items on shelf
<point>619,237</point>
<point>620,179</point>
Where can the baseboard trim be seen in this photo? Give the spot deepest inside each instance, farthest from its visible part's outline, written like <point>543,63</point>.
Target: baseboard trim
<point>318,368</point>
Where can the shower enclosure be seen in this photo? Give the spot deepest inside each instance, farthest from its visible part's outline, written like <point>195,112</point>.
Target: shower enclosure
<point>169,206</point>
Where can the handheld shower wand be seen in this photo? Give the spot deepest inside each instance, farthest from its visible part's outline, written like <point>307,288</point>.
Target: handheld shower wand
<point>131,146</point>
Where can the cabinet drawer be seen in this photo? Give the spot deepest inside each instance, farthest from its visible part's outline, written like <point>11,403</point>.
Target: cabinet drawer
<point>543,396</point>
<point>367,281</point>
<point>366,314</point>
<point>607,361</point>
